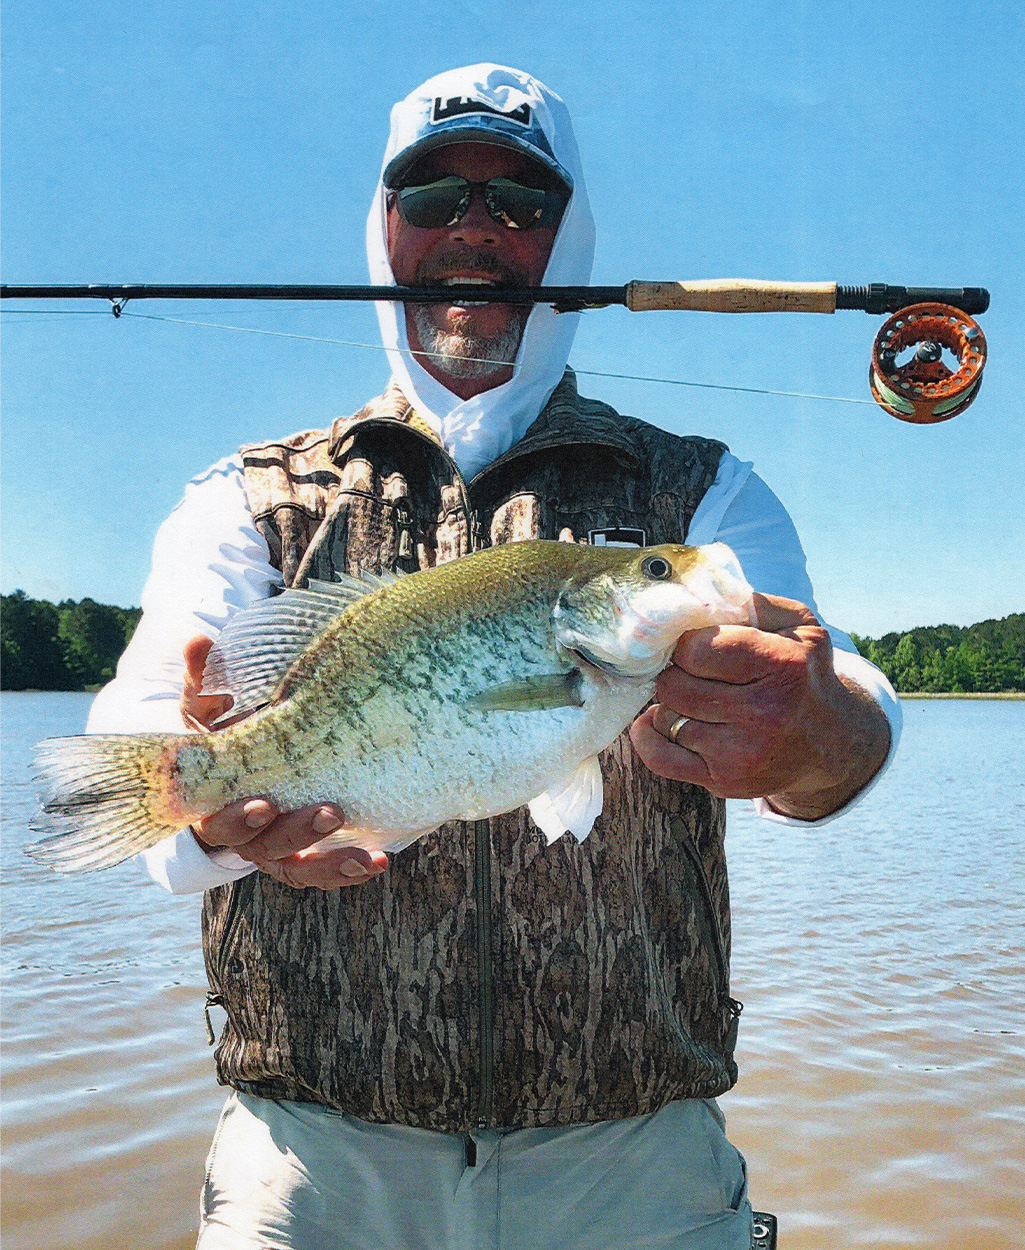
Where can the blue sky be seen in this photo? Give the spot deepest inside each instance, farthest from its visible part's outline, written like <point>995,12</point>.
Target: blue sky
<point>240,142</point>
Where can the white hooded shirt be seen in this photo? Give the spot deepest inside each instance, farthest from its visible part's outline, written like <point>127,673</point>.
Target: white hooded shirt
<point>477,431</point>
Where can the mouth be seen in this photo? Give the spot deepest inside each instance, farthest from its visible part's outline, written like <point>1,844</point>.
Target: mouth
<point>465,280</point>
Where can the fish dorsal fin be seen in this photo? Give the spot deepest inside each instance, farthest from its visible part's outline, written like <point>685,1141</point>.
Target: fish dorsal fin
<point>572,805</point>
<point>260,643</point>
<point>356,585</point>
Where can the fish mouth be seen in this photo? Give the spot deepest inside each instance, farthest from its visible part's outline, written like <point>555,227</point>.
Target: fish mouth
<point>588,660</point>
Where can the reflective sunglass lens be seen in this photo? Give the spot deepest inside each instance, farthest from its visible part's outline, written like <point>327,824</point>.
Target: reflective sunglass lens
<point>446,201</point>
<point>437,204</point>
<point>515,205</point>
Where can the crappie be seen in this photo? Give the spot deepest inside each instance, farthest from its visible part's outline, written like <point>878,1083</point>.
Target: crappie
<point>458,692</point>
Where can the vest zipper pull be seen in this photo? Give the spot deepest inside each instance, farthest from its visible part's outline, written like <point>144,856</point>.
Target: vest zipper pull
<point>212,1000</point>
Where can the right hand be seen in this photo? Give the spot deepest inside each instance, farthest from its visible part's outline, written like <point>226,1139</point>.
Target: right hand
<point>281,844</point>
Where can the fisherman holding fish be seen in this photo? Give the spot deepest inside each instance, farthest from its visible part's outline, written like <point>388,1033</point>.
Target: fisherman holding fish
<point>499,1034</point>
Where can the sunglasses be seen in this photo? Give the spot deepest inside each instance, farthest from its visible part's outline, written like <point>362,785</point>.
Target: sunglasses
<point>511,203</point>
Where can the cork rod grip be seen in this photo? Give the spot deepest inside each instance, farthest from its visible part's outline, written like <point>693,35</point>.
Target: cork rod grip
<point>732,295</point>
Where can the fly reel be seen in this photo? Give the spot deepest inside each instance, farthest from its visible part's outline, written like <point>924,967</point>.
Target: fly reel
<point>921,388</point>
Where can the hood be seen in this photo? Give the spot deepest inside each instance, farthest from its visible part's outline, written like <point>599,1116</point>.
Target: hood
<point>493,104</point>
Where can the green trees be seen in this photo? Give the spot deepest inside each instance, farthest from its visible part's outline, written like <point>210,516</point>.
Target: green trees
<point>67,646</point>
<point>986,658</point>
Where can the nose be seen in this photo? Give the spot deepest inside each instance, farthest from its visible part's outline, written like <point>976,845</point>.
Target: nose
<point>477,226</point>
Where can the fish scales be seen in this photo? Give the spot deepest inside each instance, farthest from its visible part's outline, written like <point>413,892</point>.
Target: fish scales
<point>456,693</point>
<point>393,702</point>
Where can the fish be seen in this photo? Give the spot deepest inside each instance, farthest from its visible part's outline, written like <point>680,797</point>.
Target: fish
<point>455,693</point>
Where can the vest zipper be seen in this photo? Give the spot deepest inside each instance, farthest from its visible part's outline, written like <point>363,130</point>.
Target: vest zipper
<point>485,968</point>
<point>231,923</point>
<point>718,945</point>
<point>215,996</point>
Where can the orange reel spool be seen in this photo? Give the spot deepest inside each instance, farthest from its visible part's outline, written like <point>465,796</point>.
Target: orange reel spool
<point>923,390</point>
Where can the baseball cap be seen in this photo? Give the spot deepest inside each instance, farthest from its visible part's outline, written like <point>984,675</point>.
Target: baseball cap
<point>476,104</point>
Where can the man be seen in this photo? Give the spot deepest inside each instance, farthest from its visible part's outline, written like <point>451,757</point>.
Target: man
<point>490,1041</point>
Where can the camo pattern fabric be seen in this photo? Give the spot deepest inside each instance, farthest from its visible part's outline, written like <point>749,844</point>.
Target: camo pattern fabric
<point>486,979</point>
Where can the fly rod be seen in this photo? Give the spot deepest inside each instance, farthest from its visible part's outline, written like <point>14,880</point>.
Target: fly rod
<point>907,376</point>
<point>725,295</point>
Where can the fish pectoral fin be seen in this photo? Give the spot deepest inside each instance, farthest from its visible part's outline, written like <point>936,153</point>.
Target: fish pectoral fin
<point>572,805</point>
<point>532,694</point>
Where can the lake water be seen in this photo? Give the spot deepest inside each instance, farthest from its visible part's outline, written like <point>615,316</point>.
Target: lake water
<point>882,1093</point>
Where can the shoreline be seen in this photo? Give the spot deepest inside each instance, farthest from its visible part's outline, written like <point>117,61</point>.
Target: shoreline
<point>968,694</point>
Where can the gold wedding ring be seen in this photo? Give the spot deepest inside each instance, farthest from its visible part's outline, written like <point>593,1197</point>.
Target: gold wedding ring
<point>675,728</point>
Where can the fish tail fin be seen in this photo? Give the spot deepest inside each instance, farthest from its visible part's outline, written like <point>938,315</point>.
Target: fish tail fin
<point>105,798</point>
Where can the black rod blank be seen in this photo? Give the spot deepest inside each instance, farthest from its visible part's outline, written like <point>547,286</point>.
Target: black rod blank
<point>568,296</point>
<point>876,297</point>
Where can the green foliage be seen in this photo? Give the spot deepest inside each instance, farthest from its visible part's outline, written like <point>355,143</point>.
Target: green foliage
<point>67,646</point>
<point>986,658</point>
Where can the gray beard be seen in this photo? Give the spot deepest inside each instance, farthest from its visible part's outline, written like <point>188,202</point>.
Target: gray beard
<point>462,355</point>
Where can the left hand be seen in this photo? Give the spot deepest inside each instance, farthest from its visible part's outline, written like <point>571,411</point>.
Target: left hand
<point>768,717</point>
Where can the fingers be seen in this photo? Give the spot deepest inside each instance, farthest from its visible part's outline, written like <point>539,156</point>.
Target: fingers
<point>649,735</point>
<point>195,651</point>
<point>258,831</point>
<point>204,708</point>
<point>698,697</point>
<point>728,760</point>
<point>741,654</point>
<point>776,614</point>
<point>331,869</point>
<point>760,712</point>
<point>285,844</point>
<point>713,756</point>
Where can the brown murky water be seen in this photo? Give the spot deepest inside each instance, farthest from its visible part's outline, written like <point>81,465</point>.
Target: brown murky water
<point>882,1092</point>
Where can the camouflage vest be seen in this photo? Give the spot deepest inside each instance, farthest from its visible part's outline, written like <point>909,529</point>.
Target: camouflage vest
<point>486,979</point>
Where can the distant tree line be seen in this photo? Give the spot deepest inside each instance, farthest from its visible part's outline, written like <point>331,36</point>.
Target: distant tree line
<point>69,646</point>
<point>63,646</point>
<point>986,658</point>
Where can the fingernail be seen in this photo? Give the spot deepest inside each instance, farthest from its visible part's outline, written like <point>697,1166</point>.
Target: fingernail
<point>257,817</point>
<point>352,868</point>
<point>326,821</point>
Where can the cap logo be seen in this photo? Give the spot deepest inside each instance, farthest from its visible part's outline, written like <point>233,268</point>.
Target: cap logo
<point>458,106</point>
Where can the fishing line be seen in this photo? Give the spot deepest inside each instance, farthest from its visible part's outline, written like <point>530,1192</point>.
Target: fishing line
<point>591,373</point>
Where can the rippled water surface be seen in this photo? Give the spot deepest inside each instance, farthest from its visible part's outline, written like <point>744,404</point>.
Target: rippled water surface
<point>881,1049</point>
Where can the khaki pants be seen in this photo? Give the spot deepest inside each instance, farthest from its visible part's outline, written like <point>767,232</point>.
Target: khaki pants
<point>296,1176</point>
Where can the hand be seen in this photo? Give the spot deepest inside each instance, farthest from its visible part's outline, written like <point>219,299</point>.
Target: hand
<point>767,715</point>
<point>281,844</point>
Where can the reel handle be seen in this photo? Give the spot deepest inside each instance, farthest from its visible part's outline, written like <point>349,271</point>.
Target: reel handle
<point>747,295</point>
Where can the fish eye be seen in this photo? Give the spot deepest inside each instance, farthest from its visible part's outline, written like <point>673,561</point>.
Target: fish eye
<point>657,568</point>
